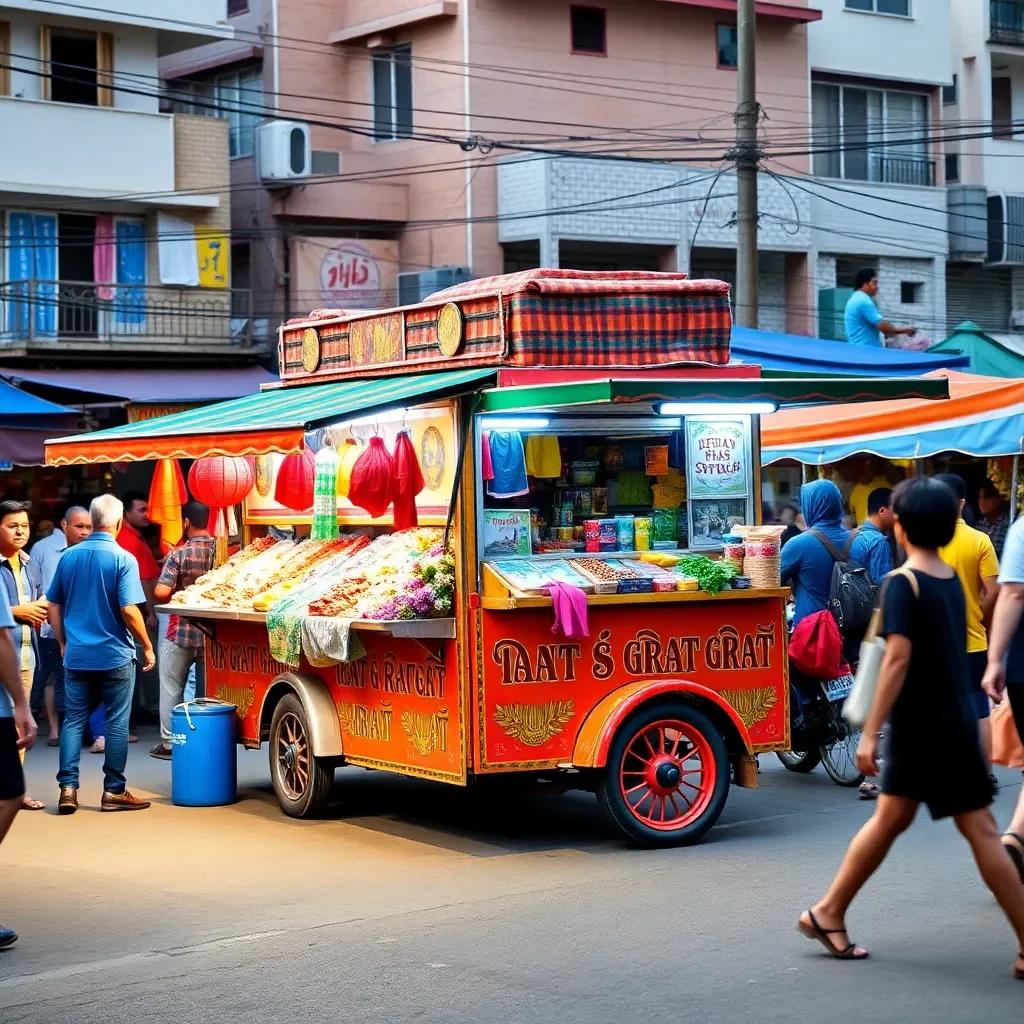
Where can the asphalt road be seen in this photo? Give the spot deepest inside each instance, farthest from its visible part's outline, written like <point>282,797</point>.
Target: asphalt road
<point>419,902</point>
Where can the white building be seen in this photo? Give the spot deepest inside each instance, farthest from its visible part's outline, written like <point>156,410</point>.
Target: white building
<point>877,68</point>
<point>90,172</point>
<point>983,151</point>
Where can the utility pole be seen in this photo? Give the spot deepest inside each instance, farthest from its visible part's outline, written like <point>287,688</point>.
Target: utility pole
<point>747,154</point>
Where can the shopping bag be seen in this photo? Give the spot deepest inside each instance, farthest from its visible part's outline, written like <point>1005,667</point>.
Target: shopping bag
<point>1007,748</point>
<point>872,654</point>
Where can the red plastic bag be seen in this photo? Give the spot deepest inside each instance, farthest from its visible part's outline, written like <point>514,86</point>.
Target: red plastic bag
<point>816,647</point>
<point>370,486</point>
<point>407,482</point>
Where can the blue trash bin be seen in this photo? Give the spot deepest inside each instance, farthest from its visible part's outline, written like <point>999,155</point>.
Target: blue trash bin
<point>204,772</point>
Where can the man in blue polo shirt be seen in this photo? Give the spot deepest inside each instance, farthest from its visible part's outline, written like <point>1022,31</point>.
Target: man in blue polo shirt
<point>863,320</point>
<point>870,548</point>
<point>94,598</point>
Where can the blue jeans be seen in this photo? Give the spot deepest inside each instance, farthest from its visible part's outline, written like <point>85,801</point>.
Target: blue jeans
<point>81,688</point>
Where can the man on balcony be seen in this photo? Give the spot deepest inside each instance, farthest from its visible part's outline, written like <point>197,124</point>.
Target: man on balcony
<point>864,322</point>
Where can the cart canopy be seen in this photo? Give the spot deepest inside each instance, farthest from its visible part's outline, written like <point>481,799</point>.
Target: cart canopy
<point>984,417</point>
<point>269,421</point>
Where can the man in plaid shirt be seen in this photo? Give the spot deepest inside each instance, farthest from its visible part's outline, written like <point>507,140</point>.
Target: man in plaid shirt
<point>183,646</point>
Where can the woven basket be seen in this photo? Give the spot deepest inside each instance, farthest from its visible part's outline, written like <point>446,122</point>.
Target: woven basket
<point>761,564</point>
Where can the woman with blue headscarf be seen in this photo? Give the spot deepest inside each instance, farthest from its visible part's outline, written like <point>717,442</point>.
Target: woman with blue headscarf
<point>806,563</point>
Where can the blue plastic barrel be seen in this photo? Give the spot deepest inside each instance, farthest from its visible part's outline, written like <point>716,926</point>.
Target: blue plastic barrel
<point>204,772</point>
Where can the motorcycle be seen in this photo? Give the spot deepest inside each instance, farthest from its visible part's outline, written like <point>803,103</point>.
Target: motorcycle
<point>822,734</point>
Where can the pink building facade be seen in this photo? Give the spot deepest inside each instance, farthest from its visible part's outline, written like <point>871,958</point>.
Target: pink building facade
<point>493,135</point>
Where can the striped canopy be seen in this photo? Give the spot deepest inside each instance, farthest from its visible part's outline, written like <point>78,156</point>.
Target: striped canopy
<point>269,421</point>
<point>984,417</point>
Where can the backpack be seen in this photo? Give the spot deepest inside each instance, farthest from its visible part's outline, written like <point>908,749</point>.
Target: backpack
<point>852,592</point>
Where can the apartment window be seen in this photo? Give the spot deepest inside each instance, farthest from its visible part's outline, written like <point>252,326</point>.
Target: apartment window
<point>847,268</point>
<point>952,167</point>
<point>237,7</point>
<point>900,7</point>
<point>238,98</point>
<point>871,135</point>
<point>728,46</point>
<point>911,292</point>
<point>949,93</point>
<point>392,92</point>
<point>1002,108</point>
<point>588,30</point>
<point>78,66</point>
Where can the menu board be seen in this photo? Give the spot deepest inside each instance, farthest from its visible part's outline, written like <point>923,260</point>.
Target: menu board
<point>718,454</point>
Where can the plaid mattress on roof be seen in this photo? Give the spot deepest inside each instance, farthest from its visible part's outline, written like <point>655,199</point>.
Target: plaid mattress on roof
<point>606,319</point>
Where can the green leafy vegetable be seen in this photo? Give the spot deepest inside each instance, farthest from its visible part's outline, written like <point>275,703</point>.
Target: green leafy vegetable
<point>711,576</point>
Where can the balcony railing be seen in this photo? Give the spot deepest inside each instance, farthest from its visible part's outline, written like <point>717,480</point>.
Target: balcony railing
<point>1006,19</point>
<point>35,311</point>
<point>901,170</point>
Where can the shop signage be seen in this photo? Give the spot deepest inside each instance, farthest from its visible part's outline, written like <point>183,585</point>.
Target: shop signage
<point>338,273</point>
<point>716,450</point>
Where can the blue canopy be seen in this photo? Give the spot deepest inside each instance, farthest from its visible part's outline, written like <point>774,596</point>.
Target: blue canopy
<point>20,409</point>
<point>793,354</point>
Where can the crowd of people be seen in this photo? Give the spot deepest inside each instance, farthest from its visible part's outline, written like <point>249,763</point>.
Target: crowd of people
<point>78,632</point>
<point>954,627</point>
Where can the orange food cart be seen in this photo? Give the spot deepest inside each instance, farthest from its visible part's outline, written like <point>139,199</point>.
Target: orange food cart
<point>538,405</point>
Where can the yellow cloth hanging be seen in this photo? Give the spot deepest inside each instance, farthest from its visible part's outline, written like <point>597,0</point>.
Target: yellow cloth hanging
<point>348,454</point>
<point>543,456</point>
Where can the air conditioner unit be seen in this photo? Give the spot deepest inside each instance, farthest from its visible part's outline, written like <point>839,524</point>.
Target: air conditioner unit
<point>415,287</point>
<point>1005,230</point>
<point>283,151</point>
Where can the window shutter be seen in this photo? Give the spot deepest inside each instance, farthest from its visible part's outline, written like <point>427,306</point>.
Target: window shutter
<point>5,48</point>
<point>105,69</point>
<point>44,61</point>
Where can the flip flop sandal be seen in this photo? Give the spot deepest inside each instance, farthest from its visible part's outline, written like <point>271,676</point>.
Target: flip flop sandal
<point>53,741</point>
<point>869,791</point>
<point>28,804</point>
<point>1016,853</point>
<point>818,934</point>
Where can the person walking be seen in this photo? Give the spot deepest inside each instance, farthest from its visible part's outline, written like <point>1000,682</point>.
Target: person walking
<point>971,555</point>
<point>94,598</point>
<point>871,547</point>
<point>17,733</point>
<point>24,587</point>
<point>995,515</point>
<point>182,648</point>
<point>863,321</point>
<point>132,538</point>
<point>922,693</point>
<point>74,527</point>
<point>1004,675</point>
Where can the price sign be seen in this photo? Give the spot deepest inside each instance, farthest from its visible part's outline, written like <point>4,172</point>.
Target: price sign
<point>718,453</point>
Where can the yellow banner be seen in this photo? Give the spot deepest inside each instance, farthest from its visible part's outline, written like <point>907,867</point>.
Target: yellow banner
<point>213,250</point>
<point>138,413</point>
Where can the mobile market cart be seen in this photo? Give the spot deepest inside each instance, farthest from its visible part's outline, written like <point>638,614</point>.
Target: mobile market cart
<point>579,444</point>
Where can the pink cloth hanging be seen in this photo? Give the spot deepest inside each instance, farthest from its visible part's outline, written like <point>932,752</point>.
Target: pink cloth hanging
<point>570,606</point>
<point>104,253</point>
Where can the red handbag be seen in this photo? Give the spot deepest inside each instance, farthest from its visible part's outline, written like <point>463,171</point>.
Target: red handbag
<point>816,647</point>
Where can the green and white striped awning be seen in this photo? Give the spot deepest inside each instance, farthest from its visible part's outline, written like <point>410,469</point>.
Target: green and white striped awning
<point>270,421</point>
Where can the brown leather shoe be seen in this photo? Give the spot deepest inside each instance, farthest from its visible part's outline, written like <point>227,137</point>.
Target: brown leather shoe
<point>122,802</point>
<point>68,802</point>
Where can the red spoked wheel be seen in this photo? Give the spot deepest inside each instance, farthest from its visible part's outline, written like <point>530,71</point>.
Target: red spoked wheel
<point>667,777</point>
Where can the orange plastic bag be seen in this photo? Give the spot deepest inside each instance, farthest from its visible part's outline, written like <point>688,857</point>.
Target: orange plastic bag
<point>1007,748</point>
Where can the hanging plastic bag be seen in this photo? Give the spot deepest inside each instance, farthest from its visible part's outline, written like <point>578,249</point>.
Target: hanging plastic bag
<point>325,498</point>
<point>816,648</point>
<point>407,482</point>
<point>370,488</point>
<point>346,460</point>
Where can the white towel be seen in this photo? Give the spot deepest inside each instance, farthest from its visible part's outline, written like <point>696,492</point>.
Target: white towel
<point>179,258</point>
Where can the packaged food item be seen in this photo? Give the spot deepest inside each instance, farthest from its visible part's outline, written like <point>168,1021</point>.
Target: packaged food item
<point>733,550</point>
<point>660,558</point>
<point>663,524</point>
<point>608,535</point>
<point>624,532</point>
<point>584,471</point>
<point>686,584</point>
<point>567,513</point>
<point>592,535</point>
<point>642,533</point>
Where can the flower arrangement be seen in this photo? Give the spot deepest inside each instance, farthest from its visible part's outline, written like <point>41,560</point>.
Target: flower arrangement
<point>424,590</point>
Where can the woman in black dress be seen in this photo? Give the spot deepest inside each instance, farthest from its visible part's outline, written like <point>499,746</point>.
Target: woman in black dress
<point>923,694</point>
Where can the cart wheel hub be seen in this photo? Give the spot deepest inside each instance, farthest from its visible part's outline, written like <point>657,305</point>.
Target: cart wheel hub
<point>664,775</point>
<point>290,757</point>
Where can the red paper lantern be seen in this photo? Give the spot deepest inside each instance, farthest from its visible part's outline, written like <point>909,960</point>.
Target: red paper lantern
<point>220,480</point>
<point>294,487</point>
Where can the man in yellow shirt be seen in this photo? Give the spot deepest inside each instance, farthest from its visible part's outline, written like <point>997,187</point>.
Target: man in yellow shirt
<point>971,554</point>
<point>871,478</point>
